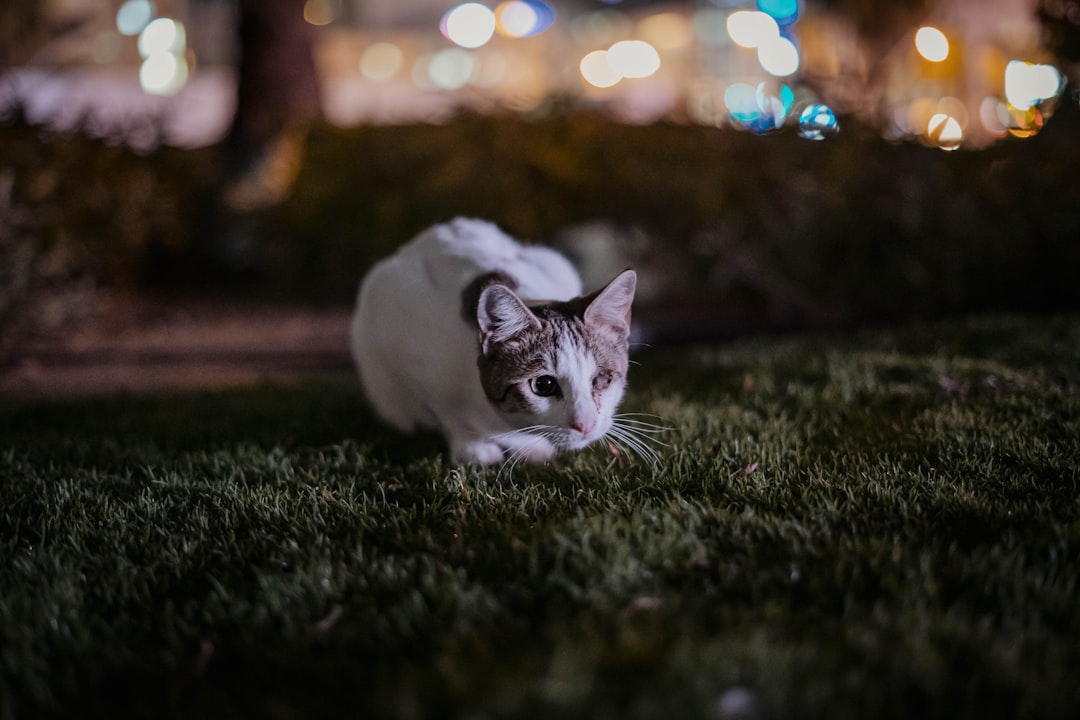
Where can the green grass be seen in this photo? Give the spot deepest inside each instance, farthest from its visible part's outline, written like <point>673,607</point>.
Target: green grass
<point>884,524</point>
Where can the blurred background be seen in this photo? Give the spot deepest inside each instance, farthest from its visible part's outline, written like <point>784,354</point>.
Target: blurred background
<point>764,164</point>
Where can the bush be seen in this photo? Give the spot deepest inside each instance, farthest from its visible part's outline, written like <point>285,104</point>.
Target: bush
<point>737,232</point>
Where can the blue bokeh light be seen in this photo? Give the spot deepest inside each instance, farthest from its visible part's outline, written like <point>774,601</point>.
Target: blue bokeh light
<point>545,16</point>
<point>755,109</point>
<point>784,12</point>
<point>817,122</point>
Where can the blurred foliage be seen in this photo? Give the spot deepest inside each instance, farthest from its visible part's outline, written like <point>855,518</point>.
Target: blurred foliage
<point>76,214</point>
<point>775,230</point>
<point>742,232</point>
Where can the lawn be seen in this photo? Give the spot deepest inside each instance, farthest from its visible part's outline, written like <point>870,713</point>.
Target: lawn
<point>874,524</point>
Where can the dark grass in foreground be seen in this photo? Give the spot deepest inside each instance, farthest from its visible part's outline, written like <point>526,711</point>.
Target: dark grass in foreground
<point>884,525</point>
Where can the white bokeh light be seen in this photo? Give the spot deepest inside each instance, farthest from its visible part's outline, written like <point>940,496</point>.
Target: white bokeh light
<point>1028,84</point>
<point>163,74</point>
<point>633,59</point>
<point>597,71</point>
<point>752,28</point>
<point>450,69</point>
<point>470,25</point>
<point>945,131</point>
<point>163,35</point>
<point>779,57</point>
<point>932,44</point>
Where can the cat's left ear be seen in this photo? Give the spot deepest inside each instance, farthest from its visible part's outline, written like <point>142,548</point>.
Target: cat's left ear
<point>611,306</point>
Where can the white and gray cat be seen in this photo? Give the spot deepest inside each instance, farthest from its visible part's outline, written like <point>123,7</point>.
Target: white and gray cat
<point>489,341</point>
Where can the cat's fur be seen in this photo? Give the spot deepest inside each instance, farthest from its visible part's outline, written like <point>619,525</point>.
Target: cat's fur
<point>489,341</point>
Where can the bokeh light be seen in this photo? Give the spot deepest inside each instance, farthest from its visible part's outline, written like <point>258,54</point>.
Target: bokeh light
<point>932,44</point>
<point>523,18</point>
<point>451,68</point>
<point>784,12</point>
<point>381,61</point>
<point>134,15</point>
<point>1028,84</point>
<point>755,108</point>
<point>740,99</point>
<point>515,18</point>
<point>818,122</point>
<point>320,12</point>
<point>597,71</point>
<point>994,116</point>
<point>945,131</point>
<point>163,35</point>
<point>633,59</point>
<point>1025,123</point>
<point>163,73</point>
<point>777,106</point>
<point>779,57</point>
<point>469,25</point>
<point>705,58</point>
<point>751,28</point>
<point>163,45</point>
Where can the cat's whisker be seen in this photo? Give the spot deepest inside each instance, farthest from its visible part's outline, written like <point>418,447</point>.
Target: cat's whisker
<point>646,432</point>
<point>637,418</point>
<point>528,430</point>
<point>630,446</point>
<point>509,464</point>
<point>637,438</point>
<point>646,428</point>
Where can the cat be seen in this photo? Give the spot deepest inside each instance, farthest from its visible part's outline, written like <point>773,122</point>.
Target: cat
<point>490,341</point>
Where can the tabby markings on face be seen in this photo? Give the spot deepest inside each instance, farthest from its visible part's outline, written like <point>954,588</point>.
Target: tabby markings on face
<point>563,362</point>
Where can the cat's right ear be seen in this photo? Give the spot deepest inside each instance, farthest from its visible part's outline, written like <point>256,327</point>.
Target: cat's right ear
<point>611,306</point>
<point>500,315</point>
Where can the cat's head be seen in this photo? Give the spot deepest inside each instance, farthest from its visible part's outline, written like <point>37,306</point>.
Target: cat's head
<point>558,365</point>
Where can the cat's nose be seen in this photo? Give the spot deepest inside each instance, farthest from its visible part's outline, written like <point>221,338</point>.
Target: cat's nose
<point>582,426</point>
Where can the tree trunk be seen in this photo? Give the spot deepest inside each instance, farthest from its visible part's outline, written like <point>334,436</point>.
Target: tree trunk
<point>277,99</point>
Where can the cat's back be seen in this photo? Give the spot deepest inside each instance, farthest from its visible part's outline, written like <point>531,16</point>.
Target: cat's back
<point>446,258</point>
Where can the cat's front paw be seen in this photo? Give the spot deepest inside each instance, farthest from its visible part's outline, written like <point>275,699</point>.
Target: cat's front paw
<point>478,452</point>
<point>532,449</point>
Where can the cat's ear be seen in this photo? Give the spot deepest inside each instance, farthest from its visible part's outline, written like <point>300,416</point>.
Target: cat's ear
<point>611,306</point>
<point>500,314</point>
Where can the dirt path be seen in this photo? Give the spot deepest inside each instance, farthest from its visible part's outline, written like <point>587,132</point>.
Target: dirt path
<point>140,345</point>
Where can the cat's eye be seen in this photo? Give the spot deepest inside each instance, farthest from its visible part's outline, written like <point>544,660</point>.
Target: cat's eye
<point>544,386</point>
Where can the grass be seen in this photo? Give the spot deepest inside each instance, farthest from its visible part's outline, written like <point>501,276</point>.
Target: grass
<point>881,524</point>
